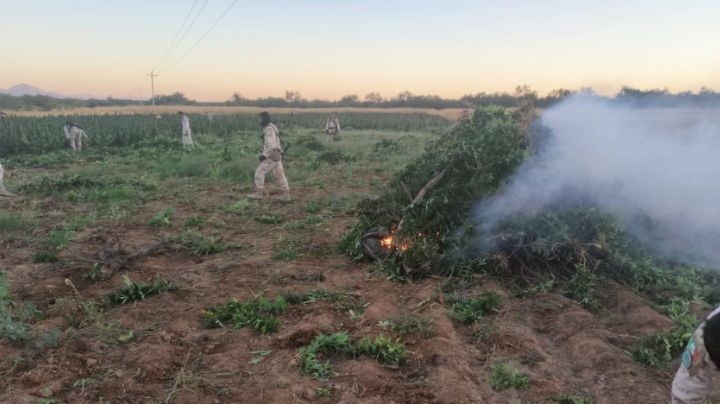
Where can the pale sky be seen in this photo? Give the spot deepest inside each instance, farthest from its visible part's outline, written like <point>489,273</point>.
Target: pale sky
<point>329,48</point>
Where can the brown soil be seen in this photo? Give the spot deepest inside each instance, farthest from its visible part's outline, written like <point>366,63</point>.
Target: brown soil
<point>171,357</point>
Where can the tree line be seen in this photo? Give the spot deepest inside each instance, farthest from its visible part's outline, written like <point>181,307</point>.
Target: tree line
<point>704,98</point>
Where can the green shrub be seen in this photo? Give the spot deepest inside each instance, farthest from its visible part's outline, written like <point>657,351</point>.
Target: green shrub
<point>504,376</point>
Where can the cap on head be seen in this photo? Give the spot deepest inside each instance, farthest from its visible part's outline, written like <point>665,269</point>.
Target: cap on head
<point>264,118</point>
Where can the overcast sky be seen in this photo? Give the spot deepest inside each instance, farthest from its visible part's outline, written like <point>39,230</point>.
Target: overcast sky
<point>326,49</point>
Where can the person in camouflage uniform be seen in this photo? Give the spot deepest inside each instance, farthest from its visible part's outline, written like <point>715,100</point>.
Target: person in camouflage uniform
<point>698,373</point>
<point>3,191</point>
<point>270,160</point>
<point>332,126</point>
<point>186,131</point>
<point>74,133</point>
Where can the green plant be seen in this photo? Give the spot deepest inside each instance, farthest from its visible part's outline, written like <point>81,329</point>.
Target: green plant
<point>470,309</point>
<point>383,349</point>
<point>313,296</point>
<point>44,256</point>
<point>198,244</point>
<point>504,376</point>
<point>194,221</point>
<point>10,222</point>
<point>409,324</point>
<point>162,218</point>
<point>13,317</point>
<point>308,357</point>
<point>582,286</point>
<point>132,292</point>
<point>258,313</point>
<point>268,219</point>
<point>312,207</point>
<point>571,399</point>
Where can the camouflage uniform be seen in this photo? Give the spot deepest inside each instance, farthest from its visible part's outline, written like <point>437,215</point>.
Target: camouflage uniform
<point>272,153</point>
<point>698,374</point>
<point>332,126</point>
<point>186,131</point>
<point>3,191</point>
<point>74,134</point>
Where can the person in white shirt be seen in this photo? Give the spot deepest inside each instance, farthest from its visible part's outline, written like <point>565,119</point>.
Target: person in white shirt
<point>186,131</point>
<point>270,160</point>
<point>698,373</point>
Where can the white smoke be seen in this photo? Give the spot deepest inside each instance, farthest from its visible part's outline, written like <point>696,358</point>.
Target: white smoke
<point>662,164</point>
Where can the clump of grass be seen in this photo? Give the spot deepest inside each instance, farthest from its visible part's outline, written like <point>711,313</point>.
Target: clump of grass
<point>194,221</point>
<point>287,249</point>
<point>243,207</point>
<point>313,296</point>
<point>470,309</point>
<point>386,146</point>
<point>132,292</point>
<point>504,376</point>
<point>198,244</point>
<point>12,223</point>
<point>571,399</point>
<point>322,345</point>
<point>268,219</point>
<point>44,257</point>
<point>258,313</point>
<point>312,207</point>
<point>162,218</point>
<point>13,317</point>
<point>304,222</point>
<point>410,324</point>
<point>381,348</point>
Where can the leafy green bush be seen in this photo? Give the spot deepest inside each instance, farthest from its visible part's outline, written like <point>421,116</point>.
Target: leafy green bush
<point>504,376</point>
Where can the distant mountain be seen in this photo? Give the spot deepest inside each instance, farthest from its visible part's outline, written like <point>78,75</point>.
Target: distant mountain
<point>27,89</point>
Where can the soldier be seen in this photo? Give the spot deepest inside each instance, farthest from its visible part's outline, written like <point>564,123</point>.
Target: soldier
<point>332,127</point>
<point>186,131</point>
<point>74,133</point>
<point>698,373</point>
<point>3,191</point>
<point>270,160</point>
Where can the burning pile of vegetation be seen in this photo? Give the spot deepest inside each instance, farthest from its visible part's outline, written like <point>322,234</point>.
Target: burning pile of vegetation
<point>410,226</point>
<point>424,224</point>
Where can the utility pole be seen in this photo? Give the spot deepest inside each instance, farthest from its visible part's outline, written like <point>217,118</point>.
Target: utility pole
<point>152,84</point>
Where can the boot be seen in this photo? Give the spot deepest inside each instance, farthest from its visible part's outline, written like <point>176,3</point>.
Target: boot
<point>258,194</point>
<point>285,197</point>
<point>5,192</point>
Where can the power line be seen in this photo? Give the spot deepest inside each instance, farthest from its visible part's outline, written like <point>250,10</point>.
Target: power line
<point>182,38</point>
<point>177,34</point>
<point>204,35</point>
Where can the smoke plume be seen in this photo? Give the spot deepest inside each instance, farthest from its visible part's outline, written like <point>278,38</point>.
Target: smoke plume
<point>659,164</point>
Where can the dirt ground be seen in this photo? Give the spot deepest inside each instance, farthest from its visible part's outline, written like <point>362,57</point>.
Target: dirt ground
<point>157,350</point>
